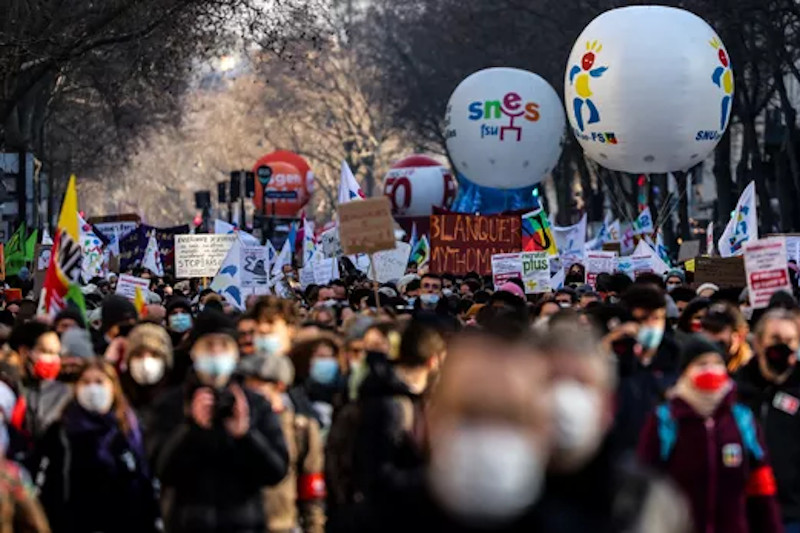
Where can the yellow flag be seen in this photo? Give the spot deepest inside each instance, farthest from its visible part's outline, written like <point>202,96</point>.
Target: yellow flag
<point>68,219</point>
<point>690,265</point>
<point>139,302</point>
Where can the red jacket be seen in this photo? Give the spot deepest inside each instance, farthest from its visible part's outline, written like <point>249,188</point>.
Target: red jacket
<point>729,490</point>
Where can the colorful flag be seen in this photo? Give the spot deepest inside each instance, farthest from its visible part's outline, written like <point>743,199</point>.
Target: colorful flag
<point>743,226</point>
<point>349,189</point>
<point>421,254</point>
<point>571,242</point>
<point>15,250</point>
<point>412,241</point>
<point>140,303</point>
<point>92,252</point>
<point>30,246</point>
<point>309,243</point>
<point>61,283</point>
<point>614,231</point>
<point>661,248</point>
<point>643,225</point>
<point>152,257</point>
<point>537,236</point>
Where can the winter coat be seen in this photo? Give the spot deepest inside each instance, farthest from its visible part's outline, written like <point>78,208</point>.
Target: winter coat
<point>777,408</point>
<point>728,488</point>
<point>297,502</point>
<point>19,508</point>
<point>211,482</point>
<point>93,477</point>
<point>45,400</point>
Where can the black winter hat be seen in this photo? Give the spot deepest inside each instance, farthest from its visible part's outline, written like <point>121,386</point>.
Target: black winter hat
<point>177,302</point>
<point>696,346</point>
<point>72,314</point>
<point>117,310</point>
<point>213,322</point>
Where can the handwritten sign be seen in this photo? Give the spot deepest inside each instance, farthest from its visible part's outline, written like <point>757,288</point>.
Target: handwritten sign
<point>599,263</point>
<point>465,243</point>
<point>254,266</point>
<point>506,267</point>
<point>126,286</point>
<point>536,272</point>
<point>766,266</point>
<point>366,226</point>
<point>391,264</point>
<point>198,256</point>
<point>723,272</point>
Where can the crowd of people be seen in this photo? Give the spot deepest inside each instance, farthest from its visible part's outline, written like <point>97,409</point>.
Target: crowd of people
<point>432,403</point>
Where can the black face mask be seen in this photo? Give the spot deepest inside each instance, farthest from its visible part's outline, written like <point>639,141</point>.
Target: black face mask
<point>778,357</point>
<point>125,329</point>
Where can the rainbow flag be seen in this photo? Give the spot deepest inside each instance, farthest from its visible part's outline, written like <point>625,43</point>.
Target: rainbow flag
<point>62,281</point>
<point>537,235</point>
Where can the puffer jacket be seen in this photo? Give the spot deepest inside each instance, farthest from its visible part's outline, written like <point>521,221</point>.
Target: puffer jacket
<point>211,482</point>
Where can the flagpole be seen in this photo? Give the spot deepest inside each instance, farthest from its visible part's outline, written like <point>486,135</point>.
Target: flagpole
<point>375,280</point>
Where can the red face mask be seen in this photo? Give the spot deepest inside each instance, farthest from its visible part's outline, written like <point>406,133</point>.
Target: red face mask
<point>696,326</point>
<point>47,369</point>
<point>710,380</point>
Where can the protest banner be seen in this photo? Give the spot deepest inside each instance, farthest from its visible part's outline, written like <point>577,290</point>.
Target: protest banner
<point>126,286</point>
<point>721,271</point>
<point>792,245</point>
<point>536,272</point>
<point>506,267</point>
<point>599,263</point>
<point>254,266</point>
<point>642,264</point>
<point>198,256</point>
<point>391,265</point>
<point>766,267</point>
<point>134,244</point>
<point>367,226</point>
<point>463,243</point>
<point>688,250</point>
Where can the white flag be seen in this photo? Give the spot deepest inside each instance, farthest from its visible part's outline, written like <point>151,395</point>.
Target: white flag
<point>571,242</point>
<point>743,226</point>
<point>710,239</point>
<point>644,249</point>
<point>284,258</point>
<point>228,281</point>
<point>349,189</point>
<point>152,257</point>
<point>614,231</point>
<point>644,222</point>
<point>224,228</point>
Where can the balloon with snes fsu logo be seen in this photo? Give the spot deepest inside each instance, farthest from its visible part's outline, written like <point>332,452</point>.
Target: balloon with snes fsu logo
<point>648,89</point>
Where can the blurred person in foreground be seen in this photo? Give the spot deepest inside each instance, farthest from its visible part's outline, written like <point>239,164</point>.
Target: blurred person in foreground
<point>725,324</point>
<point>770,385</point>
<point>149,359</point>
<point>297,502</point>
<point>712,447</point>
<point>489,437</point>
<point>92,470</point>
<point>216,445</point>
<point>588,487</point>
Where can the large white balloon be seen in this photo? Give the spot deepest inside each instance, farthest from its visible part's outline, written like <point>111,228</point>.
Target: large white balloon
<point>504,128</point>
<point>648,89</point>
<point>417,184</point>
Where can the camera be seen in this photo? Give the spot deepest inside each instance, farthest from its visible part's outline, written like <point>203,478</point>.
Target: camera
<point>224,400</point>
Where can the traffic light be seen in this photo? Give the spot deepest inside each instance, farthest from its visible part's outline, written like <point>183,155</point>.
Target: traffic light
<point>235,185</point>
<point>249,184</point>
<point>222,192</point>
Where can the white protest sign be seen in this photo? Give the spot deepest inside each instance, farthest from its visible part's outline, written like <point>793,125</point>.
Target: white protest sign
<point>793,248</point>
<point>329,240</point>
<point>506,267</point>
<point>307,276</point>
<point>641,264</point>
<point>390,265</point>
<point>535,272</point>
<point>765,264</point>
<point>126,286</point>
<point>198,256</point>
<point>325,270</point>
<point>599,263</point>
<point>254,266</point>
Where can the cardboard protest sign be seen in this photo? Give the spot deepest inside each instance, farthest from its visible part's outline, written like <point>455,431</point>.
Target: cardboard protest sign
<point>615,247</point>
<point>463,243</point>
<point>536,272</point>
<point>766,267</point>
<point>688,250</point>
<point>198,256</point>
<point>366,226</point>
<point>126,286</point>
<point>506,267</point>
<point>721,271</point>
<point>391,265</point>
<point>599,263</point>
<point>254,266</point>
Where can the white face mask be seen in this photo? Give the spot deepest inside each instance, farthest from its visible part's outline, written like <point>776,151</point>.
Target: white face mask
<point>577,422</point>
<point>95,398</point>
<point>147,370</point>
<point>488,474</point>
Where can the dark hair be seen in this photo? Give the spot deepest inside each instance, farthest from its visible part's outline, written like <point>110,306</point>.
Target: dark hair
<point>27,335</point>
<point>682,294</point>
<point>418,344</point>
<point>268,308</point>
<point>782,300</point>
<point>474,286</point>
<point>602,282</point>
<point>537,308</point>
<point>720,316</point>
<point>653,279</point>
<point>481,297</point>
<point>644,296</point>
<point>619,283</point>
<point>302,352</point>
<point>696,305</point>
<point>311,294</point>
<point>606,317</point>
<point>447,276</point>
<point>413,285</point>
<point>464,306</point>
<point>571,292</point>
<point>431,276</point>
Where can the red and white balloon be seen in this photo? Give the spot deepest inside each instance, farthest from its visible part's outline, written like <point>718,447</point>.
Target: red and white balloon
<point>417,184</point>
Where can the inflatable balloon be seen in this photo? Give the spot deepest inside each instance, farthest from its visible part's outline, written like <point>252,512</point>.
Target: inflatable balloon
<point>417,184</point>
<point>290,184</point>
<point>648,89</point>
<point>504,128</point>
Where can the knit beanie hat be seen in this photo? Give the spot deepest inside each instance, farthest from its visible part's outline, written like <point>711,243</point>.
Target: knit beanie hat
<point>696,346</point>
<point>150,338</point>
<point>76,342</point>
<point>213,322</point>
<point>117,310</point>
<point>71,313</point>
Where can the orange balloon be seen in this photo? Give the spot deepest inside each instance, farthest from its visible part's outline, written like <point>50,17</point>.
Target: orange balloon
<point>286,190</point>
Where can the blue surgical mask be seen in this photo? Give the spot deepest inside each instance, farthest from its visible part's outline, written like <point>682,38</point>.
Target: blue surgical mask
<point>650,337</point>
<point>180,322</point>
<point>268,344</point>
<point>412,300</point>
<point>324,370</point>
<point>215,366</point>
<point>429,300</point>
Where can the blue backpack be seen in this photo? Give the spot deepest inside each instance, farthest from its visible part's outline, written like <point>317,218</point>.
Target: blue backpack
<point>668,430</point>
